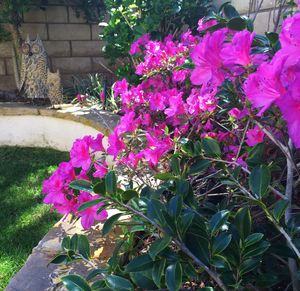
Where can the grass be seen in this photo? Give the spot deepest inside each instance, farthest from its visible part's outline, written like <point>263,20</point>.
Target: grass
<point>24,220</point>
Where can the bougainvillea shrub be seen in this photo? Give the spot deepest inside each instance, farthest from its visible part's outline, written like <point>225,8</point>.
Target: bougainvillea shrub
<point>205,162</point>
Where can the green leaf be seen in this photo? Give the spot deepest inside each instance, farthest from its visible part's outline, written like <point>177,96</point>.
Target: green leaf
<point>118,283</point>
<point>279,209</point>
<point>199,166</point>
<point>100,285</point>
<point>255,250</point>
<point>129,194</point>
<point>255,155</point>
<point>99,188</point>
<point>143,280</point>
<point>259,180</point>
<point>157,271</point>
<point>89,204</point>
<point>96,272</point>
<point>158,246</point>
<point>273,37</point>
<point>218,220</point>
<point>175,206</point>
<point>185,222</point>
<point>230,11</point>
<point>237,23</point>
<point>221,242</point>
<point>154,210</point>
<point>165,176</point>
<point>82,185</point>
<point>243,222</point>
<point>175,166</point>
<point>111,183</point>
<point>211,147</point>
<point>75,283</point>
<point>249,265</point>
<point>199,246</point>
<point>110,222</point>
<point>174,277</point>
<point>59,259</point>
<point>169,222</point>
<point>140,263</point>
<point>74,242</point>
<point>66,243</point>
<point>83,246</point>
<point>253,239</point>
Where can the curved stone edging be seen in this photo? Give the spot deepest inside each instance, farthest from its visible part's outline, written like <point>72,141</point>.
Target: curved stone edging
<point>23,125</point>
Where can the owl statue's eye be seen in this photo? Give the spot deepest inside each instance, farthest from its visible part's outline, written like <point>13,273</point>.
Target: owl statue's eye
<point>25,48</point>
<point>35,49</point>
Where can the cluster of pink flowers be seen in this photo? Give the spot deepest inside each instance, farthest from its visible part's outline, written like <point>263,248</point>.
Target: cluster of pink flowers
<point>278,81</point>
<point>175,101</point>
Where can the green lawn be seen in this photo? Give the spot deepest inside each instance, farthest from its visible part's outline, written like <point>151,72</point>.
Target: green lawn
<point>24,220</point>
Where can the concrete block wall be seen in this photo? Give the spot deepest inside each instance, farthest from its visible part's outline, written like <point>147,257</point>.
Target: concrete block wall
<point>72,44</point>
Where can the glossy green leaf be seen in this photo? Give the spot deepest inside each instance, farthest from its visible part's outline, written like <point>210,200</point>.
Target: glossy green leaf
<point>158,271</point>
<point>279,209</point>
<point>174,277</point>
<point>159,245</point>
<point>99,188</point>
<point>83,246</point>
<point>256,249</point>
<point>154,210</point>
<point>221,242</point>
<point>118,283</point>
<point>75,283</point>
<point>185,222</point>
<point>143,280</point>
<point>110,222</point>
<point>66,243</point>
<point>259,180</point>
<point>253,239</point>
<point>129,194</point>
<point>82,185</point>
<point>164,176</point>
<point>96,272</point>
<point>211,147</point>
<point>237,23</point>
<point>175,206</point>
<point>249,265</point>
<point>175,166</point>
<point>230,11</point>
<point>59,259</point>
<point>111,183</point>
<point>243,222</point>
<point>255,155</point>
<point>140,263</point>
<point>218,220</point>
<point>199,166</point>
<point>90,204</point>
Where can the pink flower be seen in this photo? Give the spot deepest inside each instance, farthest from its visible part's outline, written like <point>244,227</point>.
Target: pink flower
<point>128,123</point>
<point>179,76</point>
<point>116,145</point>
<point>101,170</point>
<point>237,113</point>
<point>238,51</point>
<point>264,87</point>
<point>89,215</point>
<point>120,87</point>
<point>157,101</point>
<point>290,33</point>
<point>135,46</point>
<point>96,144</point>
<point>80,155</point>
<point>254,136</point>
<point>203,25</point>
<point>208,64</point>
<point>81,97</point>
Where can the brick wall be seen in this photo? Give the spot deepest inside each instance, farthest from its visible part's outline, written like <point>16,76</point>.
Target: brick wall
<point>72,44</point>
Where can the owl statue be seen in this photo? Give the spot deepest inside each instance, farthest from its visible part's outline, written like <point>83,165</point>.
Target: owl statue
<point>55,92</point>
<point>33,69</point>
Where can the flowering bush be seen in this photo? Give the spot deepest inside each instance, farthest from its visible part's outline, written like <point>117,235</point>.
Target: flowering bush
<point>208,175</point>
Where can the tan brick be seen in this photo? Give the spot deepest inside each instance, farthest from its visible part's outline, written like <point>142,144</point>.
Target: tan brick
<point>58,48</point>
<point>96,30</point>
<point>2,67</point>
<point>7,83</point>
<point>9,67</point>
<point>34,29</point>
<point>100,64</point>
<point>6,49</point>
<point>56,14</point>
<point>87,48</point>
<point>69,32</point>
<point>73,17</point>
<point>35,15</point>
<point>75,65</point>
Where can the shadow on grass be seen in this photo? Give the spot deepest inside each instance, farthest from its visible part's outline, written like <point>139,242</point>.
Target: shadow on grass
<point>24,219</point>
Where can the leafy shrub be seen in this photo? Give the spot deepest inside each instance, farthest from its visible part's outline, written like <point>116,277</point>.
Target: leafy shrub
<point>208,173</point>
